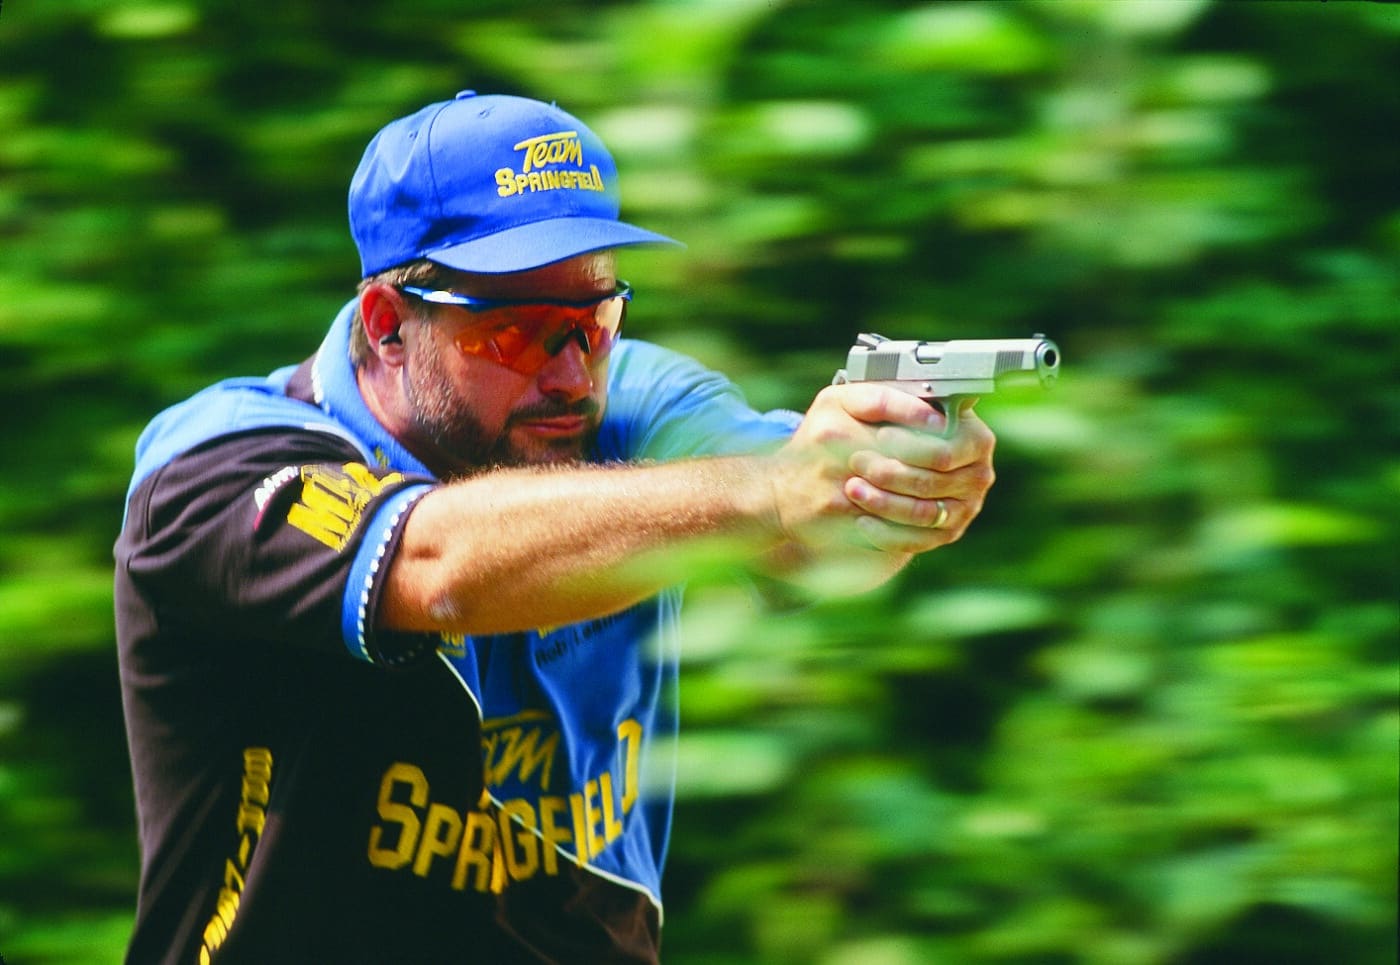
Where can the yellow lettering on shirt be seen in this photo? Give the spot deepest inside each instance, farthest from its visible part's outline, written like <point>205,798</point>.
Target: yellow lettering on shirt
<point>490,843</point>
<point>629,733</point>
<point>249,821</point>
<point>513,747</point>
<point>478,852</point>
<point>333,498</point>
<point>440,836</point>
<point>403,816</point>
<point>518,841</point>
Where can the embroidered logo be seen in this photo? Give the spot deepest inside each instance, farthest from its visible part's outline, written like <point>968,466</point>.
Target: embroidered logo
<point>549,162</point>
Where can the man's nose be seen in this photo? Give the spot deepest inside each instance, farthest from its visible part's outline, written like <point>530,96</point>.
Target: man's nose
<point>568,373</point>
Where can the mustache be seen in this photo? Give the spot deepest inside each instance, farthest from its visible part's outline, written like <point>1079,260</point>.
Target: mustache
<point>587,408</point>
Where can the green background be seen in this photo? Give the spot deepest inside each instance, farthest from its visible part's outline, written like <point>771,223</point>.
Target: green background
<point>1146,712</point>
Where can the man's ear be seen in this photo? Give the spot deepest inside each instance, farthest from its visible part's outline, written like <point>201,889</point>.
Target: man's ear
<point>383,312</point>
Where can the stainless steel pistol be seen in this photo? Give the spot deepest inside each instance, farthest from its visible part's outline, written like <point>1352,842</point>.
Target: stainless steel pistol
<point>945,373</point>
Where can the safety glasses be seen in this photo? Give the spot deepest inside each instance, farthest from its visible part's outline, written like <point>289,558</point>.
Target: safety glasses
<point>524,335</point>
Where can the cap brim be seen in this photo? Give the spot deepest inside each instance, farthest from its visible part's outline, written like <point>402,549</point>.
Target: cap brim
<point>541,243</point>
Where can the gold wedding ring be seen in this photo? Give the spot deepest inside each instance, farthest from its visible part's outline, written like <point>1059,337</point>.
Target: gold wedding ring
<point>942,516</point>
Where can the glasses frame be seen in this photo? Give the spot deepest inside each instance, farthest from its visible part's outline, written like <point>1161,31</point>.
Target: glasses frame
<point>522,359</point>
<point>472,303</point>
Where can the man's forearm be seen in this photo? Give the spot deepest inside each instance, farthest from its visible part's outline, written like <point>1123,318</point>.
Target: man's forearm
<point>860,487</point>
<point>515,549</point>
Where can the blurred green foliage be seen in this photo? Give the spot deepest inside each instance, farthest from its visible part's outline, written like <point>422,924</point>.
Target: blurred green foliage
<point>1145,713</point>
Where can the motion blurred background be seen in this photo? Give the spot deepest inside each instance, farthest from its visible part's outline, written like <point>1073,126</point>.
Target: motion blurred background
<point>1145,713</point>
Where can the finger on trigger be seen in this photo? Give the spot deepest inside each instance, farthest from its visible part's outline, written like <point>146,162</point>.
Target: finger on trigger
<point>881,404</point>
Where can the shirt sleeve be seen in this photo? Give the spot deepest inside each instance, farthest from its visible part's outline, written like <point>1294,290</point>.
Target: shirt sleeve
<point>663,406</point>
<point>277,535</point>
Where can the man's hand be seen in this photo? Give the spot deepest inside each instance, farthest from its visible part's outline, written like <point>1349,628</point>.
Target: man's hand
<point>869,459</point>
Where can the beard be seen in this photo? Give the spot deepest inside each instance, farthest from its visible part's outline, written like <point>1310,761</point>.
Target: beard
<point>441,419</point>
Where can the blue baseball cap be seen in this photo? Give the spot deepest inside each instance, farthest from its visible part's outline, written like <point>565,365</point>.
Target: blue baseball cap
<point>487,183</point>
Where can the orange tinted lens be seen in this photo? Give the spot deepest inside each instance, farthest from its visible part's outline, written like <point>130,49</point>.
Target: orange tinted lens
<point>525,337</point>
<point>609,316</point>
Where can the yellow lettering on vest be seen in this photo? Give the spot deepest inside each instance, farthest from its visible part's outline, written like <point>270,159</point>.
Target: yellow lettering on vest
<point>524,862</point>
<point>255,790</point>
<point>520,752</point>
<point>233,881</point>
<point>453,644</point>
<point>478,851</point>
<point>320,519</point>
<point>257,763</point>
<point>580,827</point>
<point>361,475</point>
<point>612,827</point>
<point>214,934</point>
<point>596,844</point>
<point>225,909</point>
<point>440,836</point>
<point>553,834</point>
<point>251,818</point>
<point>332,499</point>
<point>629,732</point>
<point>498,870</point>
<point>327,494</point>
<point>403,815</point>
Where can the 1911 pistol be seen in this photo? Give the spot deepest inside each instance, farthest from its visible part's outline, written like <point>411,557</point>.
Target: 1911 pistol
<point>945,373</point>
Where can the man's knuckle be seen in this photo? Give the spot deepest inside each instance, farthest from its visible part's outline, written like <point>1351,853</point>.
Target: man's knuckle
<point>885,475</point>
<point>919,485</point>
<point>926,511</point>
<point>827,432</point>
<point>876,501</point>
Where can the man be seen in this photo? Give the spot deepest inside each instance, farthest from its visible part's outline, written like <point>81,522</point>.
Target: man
<point>397,626</point>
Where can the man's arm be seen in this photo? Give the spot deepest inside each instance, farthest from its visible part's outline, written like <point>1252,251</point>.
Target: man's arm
<point>861,478</point>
